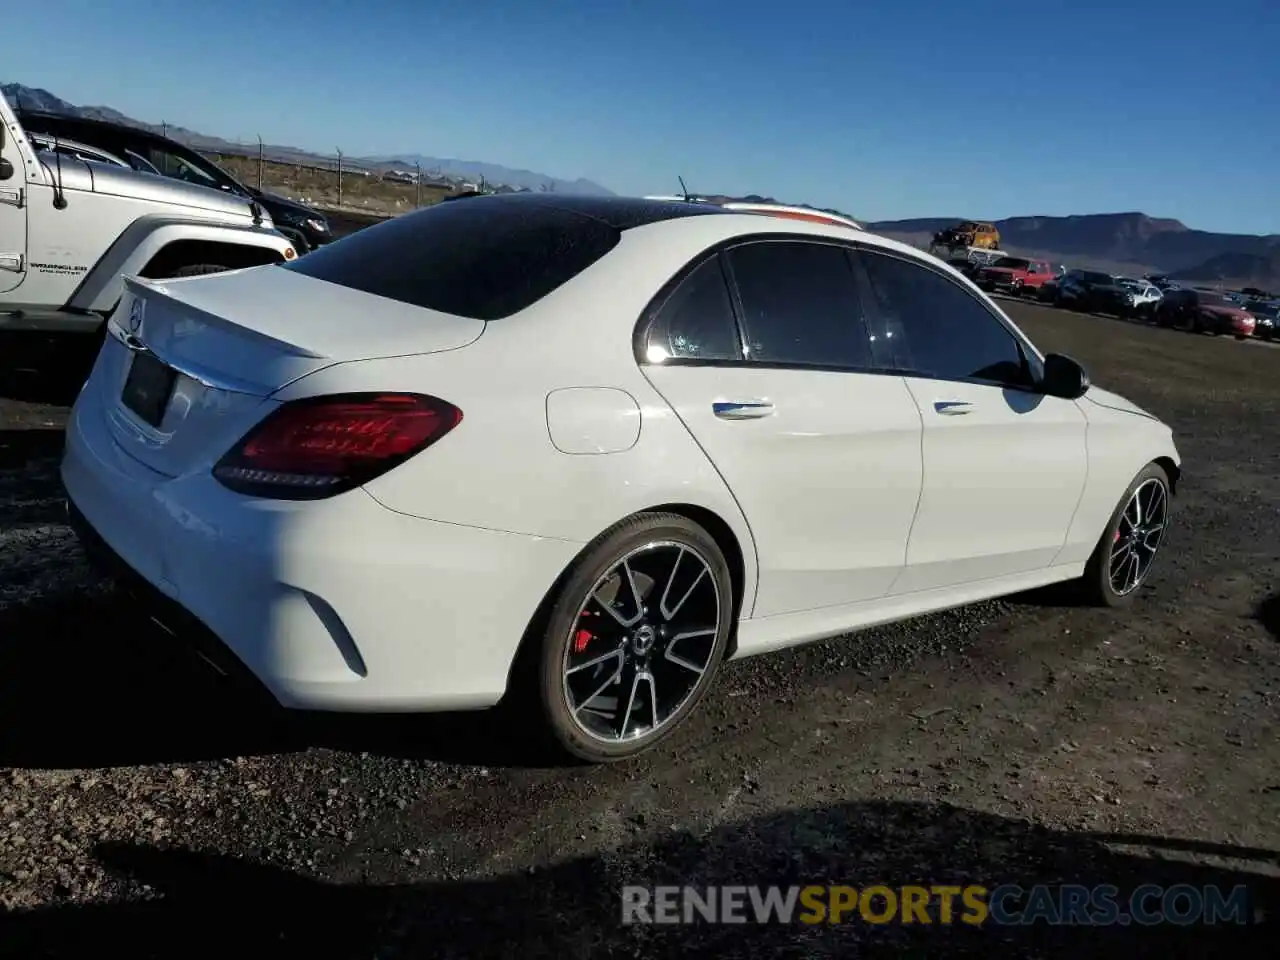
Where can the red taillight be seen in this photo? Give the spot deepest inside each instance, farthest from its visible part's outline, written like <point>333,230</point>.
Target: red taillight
<point>320,446</point>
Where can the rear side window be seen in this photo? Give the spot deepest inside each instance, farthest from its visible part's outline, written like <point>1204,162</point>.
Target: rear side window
<point>800,304</point>
<point>475,259</point>
<point>696,322</point>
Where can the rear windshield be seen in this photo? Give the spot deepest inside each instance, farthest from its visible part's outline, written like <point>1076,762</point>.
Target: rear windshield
<point>1014,263</point>
<point>1098,278</point>
<point>471,258</point>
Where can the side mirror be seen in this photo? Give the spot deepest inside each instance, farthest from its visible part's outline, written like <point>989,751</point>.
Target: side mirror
<point>1063,377</point>
<point>6,169</point>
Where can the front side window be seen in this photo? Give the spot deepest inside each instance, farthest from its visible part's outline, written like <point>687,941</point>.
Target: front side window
<point>940,330</point>
<point>696,322</point>
<point>800,304</point>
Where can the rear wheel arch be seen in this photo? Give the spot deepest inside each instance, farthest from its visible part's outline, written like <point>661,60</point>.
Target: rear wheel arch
<point>179,254</point>
<point>716,527</point>
<point>729,545</point>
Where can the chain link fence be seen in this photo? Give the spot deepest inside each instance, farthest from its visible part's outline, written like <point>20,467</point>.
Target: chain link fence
<point>333,182</point>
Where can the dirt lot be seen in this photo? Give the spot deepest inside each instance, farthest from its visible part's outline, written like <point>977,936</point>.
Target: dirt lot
<point>144,809</point>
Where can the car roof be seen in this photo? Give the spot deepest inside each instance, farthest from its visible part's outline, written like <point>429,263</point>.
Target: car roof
<point>731,224</point>
<point>785,211</point>
<point>620,213</point>
<point>93,123</point>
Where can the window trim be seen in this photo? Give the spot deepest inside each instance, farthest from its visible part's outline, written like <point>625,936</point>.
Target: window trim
<point>719,250</point>
<point>1032,359</point>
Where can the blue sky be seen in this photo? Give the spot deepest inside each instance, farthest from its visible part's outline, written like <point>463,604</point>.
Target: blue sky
<point>883,109</point>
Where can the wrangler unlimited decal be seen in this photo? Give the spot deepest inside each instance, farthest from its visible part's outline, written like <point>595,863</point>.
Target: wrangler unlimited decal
<point>64,269</point>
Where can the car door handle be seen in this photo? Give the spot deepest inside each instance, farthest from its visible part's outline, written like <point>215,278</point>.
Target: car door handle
<point>951,408</point>
<point>742,409</point>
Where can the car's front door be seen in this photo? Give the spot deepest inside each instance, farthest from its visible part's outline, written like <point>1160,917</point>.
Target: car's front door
<point>821,453</point>
<point>1004,465</point>
<point>13,209</point>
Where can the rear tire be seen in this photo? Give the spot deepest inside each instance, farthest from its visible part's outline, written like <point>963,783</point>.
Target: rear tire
<point>647,609</point>
<point>1127,550</point>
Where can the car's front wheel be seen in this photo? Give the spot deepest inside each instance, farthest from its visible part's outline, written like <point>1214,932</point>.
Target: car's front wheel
<point>635,637</point>
<point>1127,550</point>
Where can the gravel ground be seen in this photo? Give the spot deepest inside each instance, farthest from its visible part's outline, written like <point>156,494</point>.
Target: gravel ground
<point>146,808</point>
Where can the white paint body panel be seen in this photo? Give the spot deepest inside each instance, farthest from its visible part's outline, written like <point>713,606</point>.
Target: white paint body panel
<point>829,482</point>
<point>413,592</point>
<point>1002,482</point>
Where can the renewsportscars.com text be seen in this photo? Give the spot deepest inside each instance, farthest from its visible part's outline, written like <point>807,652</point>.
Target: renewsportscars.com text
<point>940,904</point>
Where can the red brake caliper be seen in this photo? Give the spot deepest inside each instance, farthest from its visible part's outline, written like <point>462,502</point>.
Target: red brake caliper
<point>583,637</point>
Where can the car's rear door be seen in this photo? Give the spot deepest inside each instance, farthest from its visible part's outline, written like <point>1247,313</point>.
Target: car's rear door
<point>821,451</point>
<point>1004,464</point>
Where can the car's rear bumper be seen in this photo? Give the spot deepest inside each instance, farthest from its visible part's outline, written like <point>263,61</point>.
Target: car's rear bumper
<point>332,605</point>
<point>151,605</point>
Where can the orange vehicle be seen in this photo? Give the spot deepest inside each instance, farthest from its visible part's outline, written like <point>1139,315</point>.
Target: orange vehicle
<point>970,233</point>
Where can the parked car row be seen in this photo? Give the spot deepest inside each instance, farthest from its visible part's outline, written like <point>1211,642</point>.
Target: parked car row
<point>1153,298</point>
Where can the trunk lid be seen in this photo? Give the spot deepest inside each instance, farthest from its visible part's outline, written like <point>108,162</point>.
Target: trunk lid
<point>219,346</point>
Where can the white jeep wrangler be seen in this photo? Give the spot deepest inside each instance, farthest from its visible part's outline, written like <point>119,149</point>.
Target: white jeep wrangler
<point>71,229</point>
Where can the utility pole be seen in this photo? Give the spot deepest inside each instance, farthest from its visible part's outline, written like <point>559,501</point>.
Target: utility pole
<point>339,149</point>
<point>260,159</point>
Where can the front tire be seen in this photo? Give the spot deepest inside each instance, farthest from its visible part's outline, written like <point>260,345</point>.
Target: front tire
<point>634,639</point>
<point>1127,549</point>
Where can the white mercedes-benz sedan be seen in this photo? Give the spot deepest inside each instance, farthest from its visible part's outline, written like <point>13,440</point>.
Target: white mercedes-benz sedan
<point>568,454</point>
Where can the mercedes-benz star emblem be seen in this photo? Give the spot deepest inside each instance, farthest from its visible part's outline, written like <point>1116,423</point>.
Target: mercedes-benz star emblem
<point>135,315</point>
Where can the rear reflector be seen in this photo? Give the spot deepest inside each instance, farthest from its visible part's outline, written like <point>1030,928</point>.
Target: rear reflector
<point>321,446</point>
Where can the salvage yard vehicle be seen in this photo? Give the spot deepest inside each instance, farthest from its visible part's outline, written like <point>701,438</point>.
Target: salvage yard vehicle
<point>1204,311</point>
<point>1266,315</point>
<point>969,234</point>
<point>1141,298</point>
<point>1088,290</point>
<point>306,228</point>
<point>1018,276</point>
<point>734,433</point>
<point>72,228</point>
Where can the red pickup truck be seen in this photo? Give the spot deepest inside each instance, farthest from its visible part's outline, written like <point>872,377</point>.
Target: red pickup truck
<point>1016,275</point>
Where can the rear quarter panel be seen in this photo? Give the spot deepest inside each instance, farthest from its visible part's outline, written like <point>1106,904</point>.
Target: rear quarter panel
<point>499,468</point>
